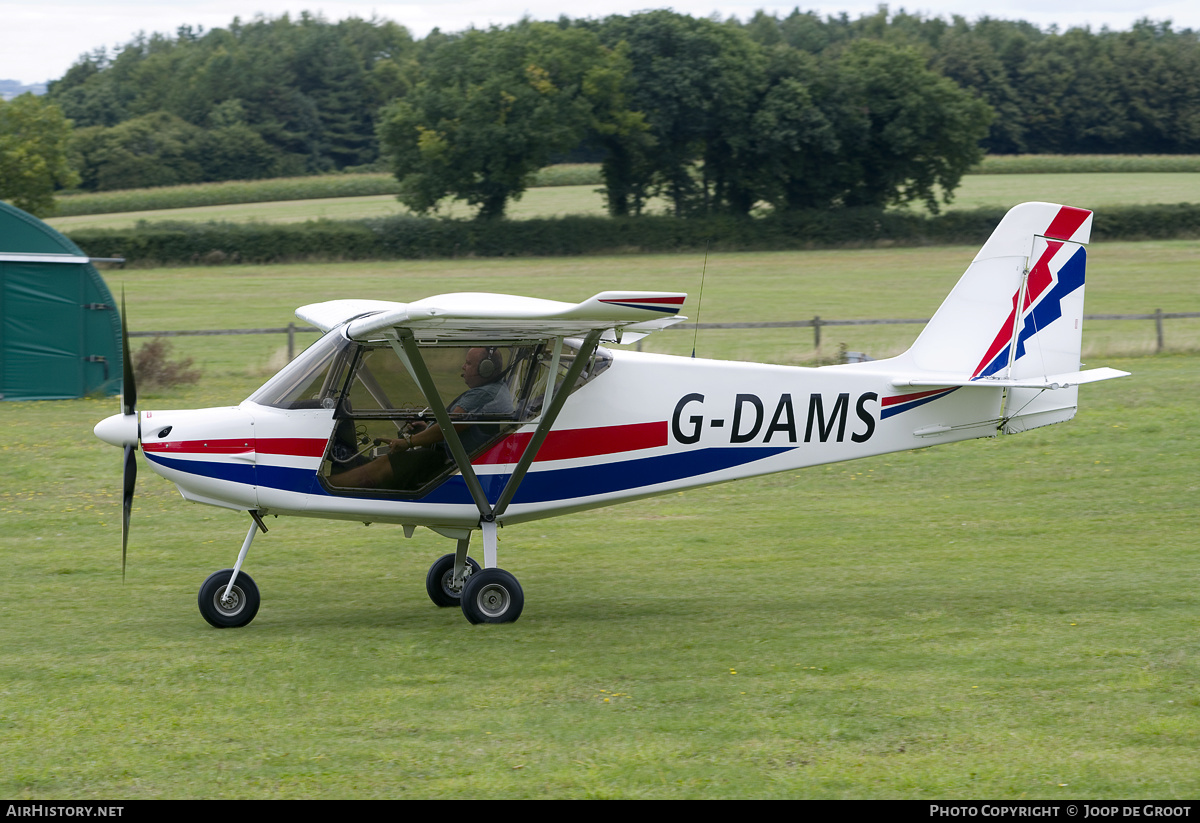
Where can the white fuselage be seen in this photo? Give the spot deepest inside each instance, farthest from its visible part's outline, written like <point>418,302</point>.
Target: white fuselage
<point>648,425</point>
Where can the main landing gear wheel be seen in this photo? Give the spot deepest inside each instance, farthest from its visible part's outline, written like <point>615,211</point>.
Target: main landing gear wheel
<point>492,596</point>
<point>439,583</point>
<point>235,611</point>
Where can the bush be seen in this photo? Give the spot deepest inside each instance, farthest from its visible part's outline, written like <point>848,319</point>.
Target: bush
<point>153,368</point>
<point>407,237</point>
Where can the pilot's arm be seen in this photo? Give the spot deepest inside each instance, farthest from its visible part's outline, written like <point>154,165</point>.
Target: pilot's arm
<point>429,436</point>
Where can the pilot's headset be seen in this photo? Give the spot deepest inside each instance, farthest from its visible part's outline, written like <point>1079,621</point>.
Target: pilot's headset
<point>491,365</point>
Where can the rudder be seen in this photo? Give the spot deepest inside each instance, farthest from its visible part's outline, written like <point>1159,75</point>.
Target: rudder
<point>1017,314</point>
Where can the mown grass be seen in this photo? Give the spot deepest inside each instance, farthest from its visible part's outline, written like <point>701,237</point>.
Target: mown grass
<point>996,619</point>
<point>557,201</point>
<point>583,175</point>
<point>1092,191</point>
<point>1089,164</point>
<point>233,192</point>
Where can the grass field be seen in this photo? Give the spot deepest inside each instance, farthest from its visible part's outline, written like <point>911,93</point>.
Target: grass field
<point>1093,191</point>
<point>996,619</point>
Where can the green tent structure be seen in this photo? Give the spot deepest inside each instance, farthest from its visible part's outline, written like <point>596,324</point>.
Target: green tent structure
<point>60,329</point>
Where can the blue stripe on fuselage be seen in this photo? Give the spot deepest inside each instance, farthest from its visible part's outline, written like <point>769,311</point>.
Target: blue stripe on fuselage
<point>233,472</point>
<point>605,478</point>
<point>537,487</point>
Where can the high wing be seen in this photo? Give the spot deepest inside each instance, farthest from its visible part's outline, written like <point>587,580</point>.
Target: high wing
<point>477,316</point>
<point>333,313</point>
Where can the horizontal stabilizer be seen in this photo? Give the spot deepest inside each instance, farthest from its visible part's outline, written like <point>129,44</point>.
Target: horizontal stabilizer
<point>1054,381</point>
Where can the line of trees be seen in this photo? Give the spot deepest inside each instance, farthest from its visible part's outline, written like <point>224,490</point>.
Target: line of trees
<point>796,112</point>
<point>691,109</point>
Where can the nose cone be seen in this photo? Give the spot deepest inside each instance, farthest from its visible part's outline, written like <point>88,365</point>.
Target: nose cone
<point>118,430</point>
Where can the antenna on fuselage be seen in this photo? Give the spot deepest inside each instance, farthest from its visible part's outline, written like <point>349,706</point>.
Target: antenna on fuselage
<point>700,299</point>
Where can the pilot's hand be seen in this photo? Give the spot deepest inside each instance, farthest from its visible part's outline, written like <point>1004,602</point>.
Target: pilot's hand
<point>396,445</point>
<point>414,427</point>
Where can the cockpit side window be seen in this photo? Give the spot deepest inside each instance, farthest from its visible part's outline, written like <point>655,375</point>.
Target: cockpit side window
<point>382,384</point>
<point>385,440</point>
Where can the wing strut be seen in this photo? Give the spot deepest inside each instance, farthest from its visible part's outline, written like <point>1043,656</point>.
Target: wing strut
<point>442,415</point>
<point>487,512</point>
<point>549,415</point>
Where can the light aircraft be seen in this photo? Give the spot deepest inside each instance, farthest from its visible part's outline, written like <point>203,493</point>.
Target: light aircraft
<point>463,413</point>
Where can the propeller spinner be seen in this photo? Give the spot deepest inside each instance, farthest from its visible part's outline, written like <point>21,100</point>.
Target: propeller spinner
<point>124,430</point>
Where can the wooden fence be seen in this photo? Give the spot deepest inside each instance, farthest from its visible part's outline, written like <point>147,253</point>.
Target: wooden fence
<point>816,324</point>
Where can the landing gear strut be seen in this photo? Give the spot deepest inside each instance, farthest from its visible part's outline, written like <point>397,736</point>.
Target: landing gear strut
<point>440,583</point>
<point>229,598</point>
<point>488,595</point>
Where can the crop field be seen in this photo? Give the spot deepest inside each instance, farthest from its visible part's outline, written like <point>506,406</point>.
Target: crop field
<point>1009,618</point>
<point>1091,191</point>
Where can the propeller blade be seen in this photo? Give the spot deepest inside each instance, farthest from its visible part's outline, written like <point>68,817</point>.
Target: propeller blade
<point>128,386</point>
<point>130,479</point>
<point>128,407</point>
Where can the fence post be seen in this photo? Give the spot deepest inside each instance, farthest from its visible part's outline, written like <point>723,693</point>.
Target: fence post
<point>1159,329</point>
<point>291,341</point>
<point>816,324</point>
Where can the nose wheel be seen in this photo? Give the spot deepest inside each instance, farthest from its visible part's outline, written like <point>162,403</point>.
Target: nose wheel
<point>232,609</point>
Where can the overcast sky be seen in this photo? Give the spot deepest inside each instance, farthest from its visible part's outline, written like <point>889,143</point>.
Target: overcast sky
<point>40,39</point>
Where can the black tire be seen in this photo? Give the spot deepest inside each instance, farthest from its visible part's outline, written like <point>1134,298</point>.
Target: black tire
<point>245,600</point>
<point>437,582</point>
<point>492,596</point>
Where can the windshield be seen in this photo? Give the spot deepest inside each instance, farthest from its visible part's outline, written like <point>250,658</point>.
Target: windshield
<point>313,380</point>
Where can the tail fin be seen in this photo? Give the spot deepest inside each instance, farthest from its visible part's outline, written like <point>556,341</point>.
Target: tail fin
<point>1015,319</point>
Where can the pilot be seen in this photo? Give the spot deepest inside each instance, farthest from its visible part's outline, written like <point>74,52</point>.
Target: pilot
<point>421,452</point>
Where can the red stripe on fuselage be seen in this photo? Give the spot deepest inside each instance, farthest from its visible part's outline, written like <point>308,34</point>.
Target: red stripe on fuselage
<point>291,446</point>
<point>563,445</point>
<point>904,398</point>
<point>559,445</point>
<point>237,445</point>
